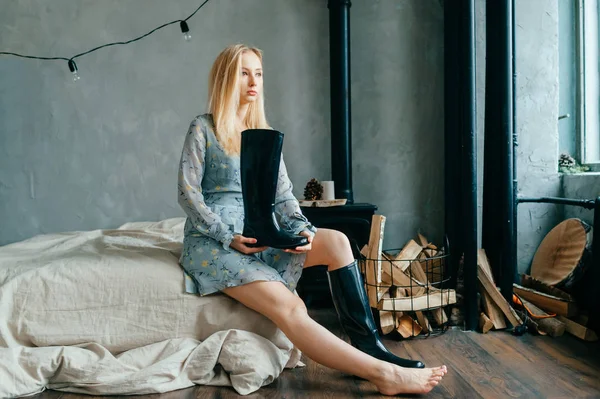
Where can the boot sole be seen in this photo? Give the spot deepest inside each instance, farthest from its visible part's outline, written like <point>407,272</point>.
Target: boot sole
<point>257,245</point>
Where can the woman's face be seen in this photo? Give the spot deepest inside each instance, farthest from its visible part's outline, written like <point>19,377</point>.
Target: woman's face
<point>251,83</point>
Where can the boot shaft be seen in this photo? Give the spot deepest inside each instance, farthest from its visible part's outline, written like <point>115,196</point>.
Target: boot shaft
<point>259,162</point>
<point>354,312</point>
<point>350,298</point>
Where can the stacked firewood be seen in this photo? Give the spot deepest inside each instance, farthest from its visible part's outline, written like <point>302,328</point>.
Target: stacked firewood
<point>495,309</point>
<point>401,286</point>
<point>546,310</point>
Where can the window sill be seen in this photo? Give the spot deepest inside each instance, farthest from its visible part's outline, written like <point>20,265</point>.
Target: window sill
<point>590,173</point>
<point>594,167</point>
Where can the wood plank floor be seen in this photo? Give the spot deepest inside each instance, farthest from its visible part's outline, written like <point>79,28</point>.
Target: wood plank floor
<point>494,365</point>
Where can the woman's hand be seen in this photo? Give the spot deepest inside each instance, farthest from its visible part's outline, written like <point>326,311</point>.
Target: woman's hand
<point>239,244</point>
<point>305,248</point>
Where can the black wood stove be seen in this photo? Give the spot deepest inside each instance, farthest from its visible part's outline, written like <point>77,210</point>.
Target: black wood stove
<point>354,220</point>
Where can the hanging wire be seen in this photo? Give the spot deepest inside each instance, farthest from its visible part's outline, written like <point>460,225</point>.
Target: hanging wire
<point>70,60</point>
<point>33,57</point>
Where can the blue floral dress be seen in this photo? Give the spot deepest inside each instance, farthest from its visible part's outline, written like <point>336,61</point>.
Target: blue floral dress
<point>210,193</point>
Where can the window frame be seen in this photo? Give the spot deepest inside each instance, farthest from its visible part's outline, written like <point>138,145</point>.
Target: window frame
<point>587,36</point>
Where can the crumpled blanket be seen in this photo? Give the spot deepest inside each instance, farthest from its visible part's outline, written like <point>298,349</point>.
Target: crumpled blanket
<point>104,312</point>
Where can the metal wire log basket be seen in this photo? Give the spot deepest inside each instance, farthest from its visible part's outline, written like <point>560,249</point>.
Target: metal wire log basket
<point>410,296</point>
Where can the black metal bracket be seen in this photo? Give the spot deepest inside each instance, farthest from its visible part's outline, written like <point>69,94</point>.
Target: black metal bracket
<point>587,204</point>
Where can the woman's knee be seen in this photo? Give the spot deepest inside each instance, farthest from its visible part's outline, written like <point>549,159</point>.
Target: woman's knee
<point>337,242</point>
<point>289,310</point>
<point>330,247</point>
<point>341,240</point>
<point>272,299</point>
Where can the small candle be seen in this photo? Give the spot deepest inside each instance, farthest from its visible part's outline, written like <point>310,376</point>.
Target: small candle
<point>328,190</point>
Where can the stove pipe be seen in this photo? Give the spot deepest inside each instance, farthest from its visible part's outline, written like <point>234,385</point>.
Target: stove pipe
<point>341,137</point>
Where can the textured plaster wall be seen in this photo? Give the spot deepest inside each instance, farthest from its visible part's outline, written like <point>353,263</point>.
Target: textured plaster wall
<point>537,116</point>
<point>106,150</point>
<point>397,114</point>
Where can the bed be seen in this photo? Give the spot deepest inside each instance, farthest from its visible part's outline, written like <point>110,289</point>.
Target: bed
<point>105,312</point>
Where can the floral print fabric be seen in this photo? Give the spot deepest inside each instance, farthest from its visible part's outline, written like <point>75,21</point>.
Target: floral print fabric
<point>210,193</point>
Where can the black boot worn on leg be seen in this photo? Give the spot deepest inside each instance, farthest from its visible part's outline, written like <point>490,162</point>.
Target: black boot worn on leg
<point>259,161</point>
<point>354,312</point>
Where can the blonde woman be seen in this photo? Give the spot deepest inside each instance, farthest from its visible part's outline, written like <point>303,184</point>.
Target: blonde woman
<point>219,258</point>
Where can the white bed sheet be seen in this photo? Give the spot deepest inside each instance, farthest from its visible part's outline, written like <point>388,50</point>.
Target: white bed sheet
<point>105,312</point>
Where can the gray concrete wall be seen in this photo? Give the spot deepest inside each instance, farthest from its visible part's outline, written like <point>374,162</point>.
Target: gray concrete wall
<point>398,114</point>
<point>105,151</point>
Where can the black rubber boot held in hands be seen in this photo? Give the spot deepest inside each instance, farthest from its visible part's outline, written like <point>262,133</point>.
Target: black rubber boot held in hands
<point>259,161</point>
<point>352,306</point>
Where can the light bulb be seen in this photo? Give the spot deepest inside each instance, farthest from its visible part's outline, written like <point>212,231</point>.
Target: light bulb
<point>73,69</point>
<point>185,29</point>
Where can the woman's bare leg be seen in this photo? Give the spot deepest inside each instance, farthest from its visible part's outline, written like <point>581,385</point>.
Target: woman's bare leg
<point>331,248</point>
<point>287,311</point>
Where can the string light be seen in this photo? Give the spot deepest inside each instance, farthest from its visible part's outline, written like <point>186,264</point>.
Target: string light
<point>73,69</point>
<point>185,29</point>
<point>187,36</point>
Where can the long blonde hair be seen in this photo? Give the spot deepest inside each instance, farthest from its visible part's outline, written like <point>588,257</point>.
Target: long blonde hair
<point>224,97</point>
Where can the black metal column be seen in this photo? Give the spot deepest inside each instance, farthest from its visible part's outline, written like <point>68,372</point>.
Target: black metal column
<point>515,142</point>
<point>452,142</point>
<point>461,129</point>
<point>594,274</point>
<point>499,179</point>
<point>341,133</point>
<point>469,142</point>
<point>460,156</point>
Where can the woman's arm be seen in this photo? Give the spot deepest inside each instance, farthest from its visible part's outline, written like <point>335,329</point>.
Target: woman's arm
<point>191,199</point>
<point>287,207</point>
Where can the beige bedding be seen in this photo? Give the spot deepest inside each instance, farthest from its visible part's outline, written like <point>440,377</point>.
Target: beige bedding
<point>105,312</point>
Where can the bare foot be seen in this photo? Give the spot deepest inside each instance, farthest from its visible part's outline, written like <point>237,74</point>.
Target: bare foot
<point>404,380</point>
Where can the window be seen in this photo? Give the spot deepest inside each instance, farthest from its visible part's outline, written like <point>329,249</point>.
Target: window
<point>579,80</point>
